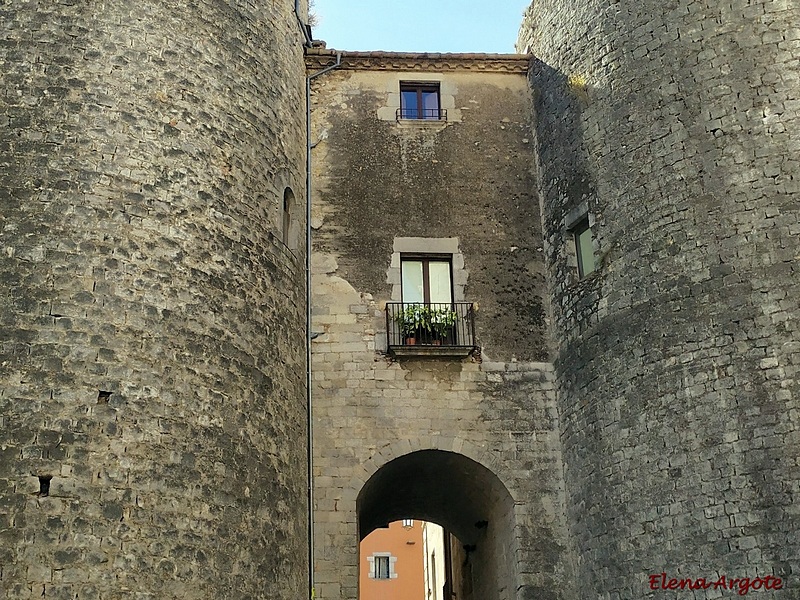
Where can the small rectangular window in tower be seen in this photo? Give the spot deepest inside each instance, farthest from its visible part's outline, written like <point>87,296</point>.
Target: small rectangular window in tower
<point>420,101</point>
<point>584,247</point>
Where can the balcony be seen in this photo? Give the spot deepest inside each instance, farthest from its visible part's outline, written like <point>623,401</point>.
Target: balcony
<point>415,329</point>
<point>421,114</point>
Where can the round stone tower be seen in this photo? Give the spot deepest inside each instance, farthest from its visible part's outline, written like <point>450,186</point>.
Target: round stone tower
<point>670,130</point>
<point>152,409</point>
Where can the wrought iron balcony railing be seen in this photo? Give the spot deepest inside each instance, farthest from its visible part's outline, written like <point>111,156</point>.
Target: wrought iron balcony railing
<point>422,114</point>
<point>417,328</point>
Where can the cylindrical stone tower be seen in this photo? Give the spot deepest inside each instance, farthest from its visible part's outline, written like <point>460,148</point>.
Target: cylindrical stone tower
<point>671,131</point>
<point>152,409</point>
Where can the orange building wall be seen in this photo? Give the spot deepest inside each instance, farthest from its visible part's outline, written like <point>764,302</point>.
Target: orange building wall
<point>406,545</point>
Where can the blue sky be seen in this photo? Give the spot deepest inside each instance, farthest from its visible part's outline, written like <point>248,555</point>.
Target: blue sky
<point>420,25</point>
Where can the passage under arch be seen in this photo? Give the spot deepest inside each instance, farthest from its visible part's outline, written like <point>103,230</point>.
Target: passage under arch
<point>458,493</point>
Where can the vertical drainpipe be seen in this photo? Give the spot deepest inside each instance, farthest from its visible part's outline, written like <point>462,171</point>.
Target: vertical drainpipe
<point>310,458</point>
<point>307,42</point>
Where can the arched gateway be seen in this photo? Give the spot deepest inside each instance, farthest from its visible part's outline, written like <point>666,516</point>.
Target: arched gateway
<point>463,496</point>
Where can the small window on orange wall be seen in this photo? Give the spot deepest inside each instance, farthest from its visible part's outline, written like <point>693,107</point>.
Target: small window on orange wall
<point>381,567</point>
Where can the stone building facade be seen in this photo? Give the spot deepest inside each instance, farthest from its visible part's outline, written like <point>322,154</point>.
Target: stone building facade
<point>467,441</point>
<point>597,423</point>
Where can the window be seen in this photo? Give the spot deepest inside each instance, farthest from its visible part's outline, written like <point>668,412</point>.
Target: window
<point>420,101</point>
<point>428,314</point>
<point>584,249</point>
<point>381,567</point>
<point>286,225</point>
<point>408,523</point>
<point>426,279</point>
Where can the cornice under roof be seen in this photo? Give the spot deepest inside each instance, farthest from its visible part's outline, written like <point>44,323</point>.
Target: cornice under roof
<point>320,58</point>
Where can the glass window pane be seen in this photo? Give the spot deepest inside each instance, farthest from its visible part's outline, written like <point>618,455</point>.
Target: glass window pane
<point>439,275</point>
<point>381,567</point>
<point>412,281</point>
<point>583,240</point>
<point>408,104</point>
<point>430,104</point>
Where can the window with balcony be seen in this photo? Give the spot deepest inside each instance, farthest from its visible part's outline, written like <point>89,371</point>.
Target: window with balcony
<point>426,279</point>
<point>427,320</point>
<point>420,101</point>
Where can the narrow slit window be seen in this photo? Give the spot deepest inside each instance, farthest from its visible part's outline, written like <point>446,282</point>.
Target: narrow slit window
<point>286,227</point>
<point>584,248</point>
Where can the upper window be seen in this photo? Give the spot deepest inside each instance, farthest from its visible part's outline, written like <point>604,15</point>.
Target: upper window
<point>584,248</point>
<point>420,101</point>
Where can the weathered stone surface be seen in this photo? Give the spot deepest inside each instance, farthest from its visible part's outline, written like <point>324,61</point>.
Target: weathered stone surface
<point>675,124</point>
<point>451,440</point>
<point>152,434</point>
<point>471,179</point>
<point>151,319</point>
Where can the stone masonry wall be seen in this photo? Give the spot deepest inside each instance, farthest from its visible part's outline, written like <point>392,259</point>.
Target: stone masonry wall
<point>151,319</point>
<point>675,126</point>
<point>466,182</point>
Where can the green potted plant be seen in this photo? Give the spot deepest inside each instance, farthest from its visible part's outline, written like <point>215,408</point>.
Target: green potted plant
<point>424,324</point>
<point>410,321</point>
<point>441,322</point>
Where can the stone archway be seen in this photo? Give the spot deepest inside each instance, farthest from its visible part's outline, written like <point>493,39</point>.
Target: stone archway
<point>460,494</point>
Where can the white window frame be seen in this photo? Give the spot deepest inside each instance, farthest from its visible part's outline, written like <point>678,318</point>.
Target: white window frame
<point>392,561</point>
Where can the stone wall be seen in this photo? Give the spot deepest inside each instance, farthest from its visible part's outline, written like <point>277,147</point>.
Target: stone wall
<point>151,319</point>
<point>435,181</point>
<point>455,440</point>
<point>674,126</point>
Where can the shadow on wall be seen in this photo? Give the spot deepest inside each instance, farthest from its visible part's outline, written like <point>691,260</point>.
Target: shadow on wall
<point>564,176</point>
<point>568,193</point>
